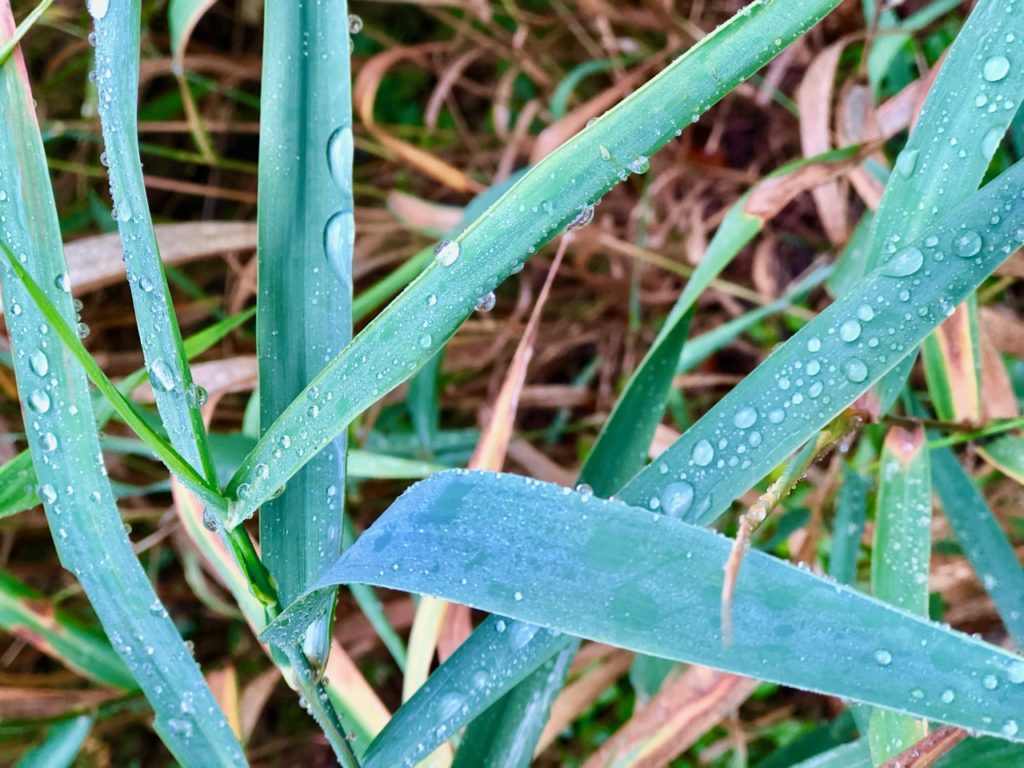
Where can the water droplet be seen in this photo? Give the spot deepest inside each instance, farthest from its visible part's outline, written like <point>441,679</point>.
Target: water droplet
<point>745,417</point>
<point>355,24</point>
<point>991,682</point>
<point>48,493</point>
<point>209,520</point>
<point>39,401</point>
<point>447,252</point>
<point>702,453</point>
<point>583,218</point>
<point>967,244</point>
<point>161,375</point>
<point>97,8</point>
<point>813,344</point>
<point>339,234</point>
<point>1016,672</point>
<point>82,329</point>
<point>196,396</point>
<point>518,597</point>
<point>449,705</point>
<point>907,162</point>
<point>904,263</point>
<point>486,302</point>
<point>640,164</point>
<point>39,363</point>
<point>426,341</point>
<point>677,498</point>
<point>855,370</point>
<point>48,441</point>
<point>996,68</point>
<point>948,695</point>
<point>605,154</point>
<point>585,491</point>
<point>849,330</point>
<point>776,415</point>
<point>813,368</point>
<point>1010,728</point>
<point>243,491</point>
<point>63,282</point>
<point>262,471</point>
<point>883,657</point>
<point>865,313</point>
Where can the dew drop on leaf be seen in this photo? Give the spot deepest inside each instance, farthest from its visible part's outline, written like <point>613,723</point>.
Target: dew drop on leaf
<point>447,252</point>
<point>702,453</point>
<point>904,263</point>
<point>996,68</point>
<point>967,244</point>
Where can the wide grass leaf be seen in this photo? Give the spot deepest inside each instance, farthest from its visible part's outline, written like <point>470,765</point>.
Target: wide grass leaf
<point>550,196</point>
<point>84,521</point>
<point>653,584</point>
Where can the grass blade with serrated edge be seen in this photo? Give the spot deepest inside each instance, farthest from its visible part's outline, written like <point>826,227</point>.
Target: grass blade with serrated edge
<point>62,745</point>
<point>26,613</point>
<point>83,518</point>
<point>117,83</point>
<point>900,559</point>
<point>981,539</point>
<point>536,550</point>
<point>970,105</point>
<point>560,187</point>
<point>306,231</point>
<point>18,476</point>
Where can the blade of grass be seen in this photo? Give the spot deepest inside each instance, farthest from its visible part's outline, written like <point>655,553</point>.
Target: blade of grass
<point>27,23</point>
<point>87,529</point>
<point>934,175</point>
<point>117,82</point>
<point>27,614</point>
<point>550,196</point>
<point>981,539</point>
<point>848,528</point>
<point>306,231</point>
<point>900,560</point>
<point>537,549</point>
<point>62,745</point>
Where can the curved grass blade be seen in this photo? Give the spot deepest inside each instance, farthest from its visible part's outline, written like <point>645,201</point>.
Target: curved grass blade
<point>182,17</point>
<point>900,559</point>
<point>981,538</point>
<point>27,23</point>
<point>536,549</point>
<point>550,196</point>
<point>26,613</point>
<point>83,518</point>
<point>178,399</point>
<point>304,317</point>
<point>62,745</point>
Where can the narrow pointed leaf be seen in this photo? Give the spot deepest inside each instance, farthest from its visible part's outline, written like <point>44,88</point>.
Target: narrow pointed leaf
<point>62,744</point>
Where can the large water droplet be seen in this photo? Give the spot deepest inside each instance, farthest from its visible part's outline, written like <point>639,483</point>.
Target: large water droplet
<point>583,218</point>
<point>447,252</point>
<point>426,341</point>
<point>1010,728</point>
<point>97,8</point>
<point>640,164</point>
<point>904,263</point>
<point>855,370</point>
<point>907,162</point>
<point>947,696</point>
<point>339,234</point>
<point>486,302</point>
<point>39,401</point>
<point>48,493</point>
<point>355,24</point>
<point>48,441</point>
<point>813,344</point>
<point>745,417</point>
<point>967,244</point>
<point>996,68</point>
<point>702,453</point>
<point>677,498</point>
<point>161,376</point>
<point>1015,672</point>
<point>883,657</point>
<point>849,330</point>
<point>39,363</point>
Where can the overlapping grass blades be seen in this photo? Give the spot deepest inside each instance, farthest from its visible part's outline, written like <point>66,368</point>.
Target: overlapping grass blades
<point>83,518</point>
<point>304,316</point>
<point>816,374</point>
<point>551,195</point>
<point>538,538</point>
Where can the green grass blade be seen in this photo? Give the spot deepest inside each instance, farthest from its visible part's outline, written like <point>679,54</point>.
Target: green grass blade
<point>62,745</point>
<point>18,476</point>
<point>970,106</point>
<point>86,526</point>
<point>982,753</point>
<point>1006,453</point>
<point>117,82</point>
<point>549,197</point>
<point>856,754</point>
<point>981,539</point>
<point>786,400</point>
<point>23,611</point>
<point>27,23</point>
<point>306,231</point>
<point>900,559</point>
<point>848,527</point>
<point>536,550</point>
<point>182,17</point>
